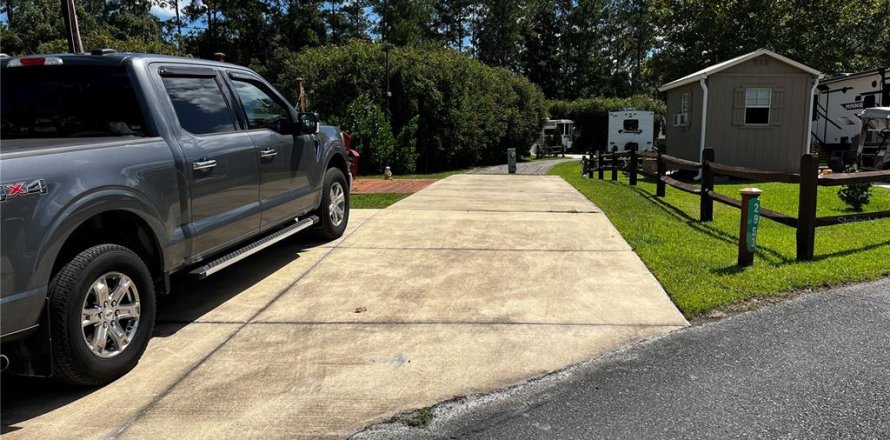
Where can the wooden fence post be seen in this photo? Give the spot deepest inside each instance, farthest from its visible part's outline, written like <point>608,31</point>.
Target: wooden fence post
<point>590,166</point>
<point>706,206</point>
<point>633,165</point>
<point>600,169</point>
<point>806,210</point>
<point>614,163</point>
<point>659,162</point>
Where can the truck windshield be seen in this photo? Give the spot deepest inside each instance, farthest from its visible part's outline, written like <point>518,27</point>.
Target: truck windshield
<point>68,101</point>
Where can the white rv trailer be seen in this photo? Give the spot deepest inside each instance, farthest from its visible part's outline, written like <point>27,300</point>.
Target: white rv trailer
<point>630,126</point>
<point>557,137</point>
<point>837,102</point>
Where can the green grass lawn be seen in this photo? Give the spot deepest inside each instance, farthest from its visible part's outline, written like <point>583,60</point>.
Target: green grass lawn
<point>374,201</point>
<point>696,262</point>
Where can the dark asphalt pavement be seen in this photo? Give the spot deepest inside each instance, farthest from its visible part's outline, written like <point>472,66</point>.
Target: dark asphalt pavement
<point>815,367</point>
<point>533,168</point>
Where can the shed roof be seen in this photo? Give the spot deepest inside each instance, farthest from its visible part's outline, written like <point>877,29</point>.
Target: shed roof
<point>694,77</point>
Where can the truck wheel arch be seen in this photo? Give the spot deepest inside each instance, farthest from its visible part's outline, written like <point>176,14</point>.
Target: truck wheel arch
<point>118,226</point>
<point>338,161</point>
<point>82,214</point>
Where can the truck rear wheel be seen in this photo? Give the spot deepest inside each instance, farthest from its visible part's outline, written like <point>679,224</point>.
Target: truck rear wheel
<point>101,315</point>
<point>334,210</point>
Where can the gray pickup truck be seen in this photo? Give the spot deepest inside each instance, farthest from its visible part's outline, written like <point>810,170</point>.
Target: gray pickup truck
<point>119,170</point>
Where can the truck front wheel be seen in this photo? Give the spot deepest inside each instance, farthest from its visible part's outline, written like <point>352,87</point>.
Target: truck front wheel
<point>334,210</point>
<point>101,311</point>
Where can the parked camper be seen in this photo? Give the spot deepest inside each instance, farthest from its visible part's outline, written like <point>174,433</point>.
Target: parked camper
<point>839,99</point>
<point>629,127</point>
<point>556,137</point>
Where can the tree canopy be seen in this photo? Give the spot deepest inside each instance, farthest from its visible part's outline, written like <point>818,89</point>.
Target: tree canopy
<point>570,48</point>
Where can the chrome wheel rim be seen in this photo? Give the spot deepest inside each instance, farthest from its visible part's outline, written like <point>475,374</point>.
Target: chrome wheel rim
<point>110,314</point>
<point>337,206</point>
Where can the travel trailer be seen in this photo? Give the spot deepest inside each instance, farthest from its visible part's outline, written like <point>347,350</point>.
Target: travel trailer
<point>630,126</point>
<point>839,100</point>
<point>556,137</point>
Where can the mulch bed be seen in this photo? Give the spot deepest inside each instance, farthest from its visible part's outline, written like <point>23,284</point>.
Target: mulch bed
<point>376,186</point>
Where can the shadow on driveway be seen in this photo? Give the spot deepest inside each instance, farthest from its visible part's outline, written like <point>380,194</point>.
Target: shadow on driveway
<point>25,398</point>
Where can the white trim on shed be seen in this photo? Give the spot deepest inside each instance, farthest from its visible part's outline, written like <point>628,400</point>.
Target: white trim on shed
<point>708,71</point>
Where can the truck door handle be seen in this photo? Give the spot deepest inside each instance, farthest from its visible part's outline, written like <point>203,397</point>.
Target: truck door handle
<point>267,153</point>
<point>203,165</point>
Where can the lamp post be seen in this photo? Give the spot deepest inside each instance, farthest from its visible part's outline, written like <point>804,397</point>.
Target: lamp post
<point>386,48</point>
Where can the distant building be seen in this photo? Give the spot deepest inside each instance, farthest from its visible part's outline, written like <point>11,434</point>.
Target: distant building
<point>754,110</point>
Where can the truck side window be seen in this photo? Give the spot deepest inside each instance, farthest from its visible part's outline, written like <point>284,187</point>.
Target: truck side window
<point>261,109</point>
<point>199,104</point>
<point>68,101</point>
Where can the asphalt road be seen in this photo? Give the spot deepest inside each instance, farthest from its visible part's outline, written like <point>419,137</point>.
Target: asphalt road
<point>537,167</point>
<point>815,367</point>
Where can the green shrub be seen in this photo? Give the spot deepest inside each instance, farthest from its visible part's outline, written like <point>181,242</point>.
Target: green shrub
<point>370,132</point>
<point>591,116</point>
<point>466,113</point>
<point>404,158</point>
<point>855,196</point>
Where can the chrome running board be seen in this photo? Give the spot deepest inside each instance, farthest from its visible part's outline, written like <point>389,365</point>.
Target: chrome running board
<point>252,248</point>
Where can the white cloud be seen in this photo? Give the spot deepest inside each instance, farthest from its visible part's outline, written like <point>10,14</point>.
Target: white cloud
<point>168,12</point>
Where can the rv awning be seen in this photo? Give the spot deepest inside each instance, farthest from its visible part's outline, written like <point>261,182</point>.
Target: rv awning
<point>875,113</point>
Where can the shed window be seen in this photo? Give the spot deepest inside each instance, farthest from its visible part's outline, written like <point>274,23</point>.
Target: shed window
<point>757,104</point>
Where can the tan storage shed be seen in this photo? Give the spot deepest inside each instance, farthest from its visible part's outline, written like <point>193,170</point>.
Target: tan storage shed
<point>754,110</point>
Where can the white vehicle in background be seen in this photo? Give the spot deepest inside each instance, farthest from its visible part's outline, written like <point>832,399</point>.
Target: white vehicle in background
<point>838,101</point>
<point>556,138</point>
<point>874,142</point>
<point>629,126</point>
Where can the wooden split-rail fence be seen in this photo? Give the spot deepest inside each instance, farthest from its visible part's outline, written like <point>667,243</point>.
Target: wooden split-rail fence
<point>808,180</point>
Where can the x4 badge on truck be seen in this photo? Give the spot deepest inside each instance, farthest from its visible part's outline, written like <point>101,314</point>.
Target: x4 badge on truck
<point>19,189</point>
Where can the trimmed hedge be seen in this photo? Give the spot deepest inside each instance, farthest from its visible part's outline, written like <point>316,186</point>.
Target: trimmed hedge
<point>591,117</point>
<point>467,113</point>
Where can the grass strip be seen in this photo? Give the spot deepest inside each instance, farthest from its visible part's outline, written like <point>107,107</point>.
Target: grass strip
<point>375,201</point>
<point>696,262</point>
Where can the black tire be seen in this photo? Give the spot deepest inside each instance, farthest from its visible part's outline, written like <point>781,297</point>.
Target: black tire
<point>73,361</point>
<point>327,228</point>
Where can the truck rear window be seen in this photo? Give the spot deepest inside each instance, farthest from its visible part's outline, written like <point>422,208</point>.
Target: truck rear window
<point>68,101</point>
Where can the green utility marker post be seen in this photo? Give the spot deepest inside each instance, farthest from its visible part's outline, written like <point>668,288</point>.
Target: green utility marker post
<point>511,160</point>
<point>750,220</point>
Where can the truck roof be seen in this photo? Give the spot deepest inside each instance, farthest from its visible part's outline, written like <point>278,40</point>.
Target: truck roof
<point>117,58</point>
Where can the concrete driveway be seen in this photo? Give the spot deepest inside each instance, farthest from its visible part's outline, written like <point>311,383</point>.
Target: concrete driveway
<point>473,284</point>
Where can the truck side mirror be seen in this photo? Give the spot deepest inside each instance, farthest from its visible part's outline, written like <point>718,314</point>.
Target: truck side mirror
<point>308,123</point>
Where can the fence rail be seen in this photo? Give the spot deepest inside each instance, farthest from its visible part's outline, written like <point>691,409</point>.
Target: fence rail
<point>854,178</point>
<point>682,163</point>
<point>808,180</point>
<point>754,174</point>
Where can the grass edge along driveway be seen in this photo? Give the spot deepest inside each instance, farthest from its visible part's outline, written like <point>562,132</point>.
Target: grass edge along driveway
<point>696,262</point>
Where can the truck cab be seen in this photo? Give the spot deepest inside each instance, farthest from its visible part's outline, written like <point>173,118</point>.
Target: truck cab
<point>119,170</point>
